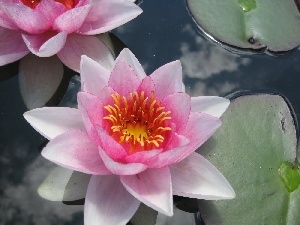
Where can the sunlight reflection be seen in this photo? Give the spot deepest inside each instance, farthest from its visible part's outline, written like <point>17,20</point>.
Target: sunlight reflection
<point>20,202</point>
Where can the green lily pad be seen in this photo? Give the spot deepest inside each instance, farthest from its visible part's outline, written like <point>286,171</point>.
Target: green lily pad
<point>249,24</point>
<point>255,149</point>
<point>289,175</point>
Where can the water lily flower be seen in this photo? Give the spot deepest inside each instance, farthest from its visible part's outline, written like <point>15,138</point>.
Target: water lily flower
<point>62,27</point>
<point>48,32</point>
<point>136,135</point>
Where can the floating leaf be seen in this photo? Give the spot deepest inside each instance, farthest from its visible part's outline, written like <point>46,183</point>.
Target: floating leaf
<point>256,138</point>
<point>249,24</point>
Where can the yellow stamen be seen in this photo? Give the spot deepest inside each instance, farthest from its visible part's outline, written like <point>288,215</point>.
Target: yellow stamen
<point>139,121</point>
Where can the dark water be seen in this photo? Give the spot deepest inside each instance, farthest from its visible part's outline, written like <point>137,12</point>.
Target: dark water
<point>163,33</point>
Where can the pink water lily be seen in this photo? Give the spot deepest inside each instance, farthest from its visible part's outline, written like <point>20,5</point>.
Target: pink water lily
<point>48,32</point>
<point>137,136</point>
<point>62,27</point>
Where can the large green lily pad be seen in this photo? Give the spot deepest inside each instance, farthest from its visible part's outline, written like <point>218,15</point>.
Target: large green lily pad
<point>249,24</point>
<point>256,139</point>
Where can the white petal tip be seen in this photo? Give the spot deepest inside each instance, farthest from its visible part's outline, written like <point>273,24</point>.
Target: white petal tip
<point>228,194</point>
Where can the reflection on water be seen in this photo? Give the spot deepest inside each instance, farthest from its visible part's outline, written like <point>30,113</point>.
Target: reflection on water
<point>22,169</point>
<point>70,98</point>
<point>20,201</point>
<point>202,60</point>
<point>160,35</point>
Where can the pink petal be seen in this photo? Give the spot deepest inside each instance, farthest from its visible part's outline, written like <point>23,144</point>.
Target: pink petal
<point>147,86</point>
<point>121,168</point>
<point>39,79</point>
<point>94,77</point>
<point>123,79</point>
<point>107,202</point>
<point>199,128</point>
<point>72,19</point>
<point>212,105</point>
<point>153,188</point>
<point>83,2</point>
<point>78,45</point>
<point>180,106</point>
<point>170,156</point>
<point>56,9</point>
<point>105,96</point>
<point>106,15</point>
<point>75,150</point>
<point>12,46</point>
<point>53,121</point>
<point>27,19</point>
<point>45,44</point>
<point>196,177</point>
<point>91,109</point>
<point>142,157</point>
<point>6,22</point>
<point>132,61</point>
<point>168,79</point>
<point>112,148</point>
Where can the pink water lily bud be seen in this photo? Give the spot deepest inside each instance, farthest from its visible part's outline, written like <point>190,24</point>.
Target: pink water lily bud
<point>137,136</point>
<point>62,27</point>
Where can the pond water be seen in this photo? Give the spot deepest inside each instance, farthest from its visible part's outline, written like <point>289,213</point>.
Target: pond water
<point>162,33</point>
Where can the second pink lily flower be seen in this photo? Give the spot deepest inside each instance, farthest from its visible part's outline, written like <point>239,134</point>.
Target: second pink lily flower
<point>137,136</point>
<point>62,27</point>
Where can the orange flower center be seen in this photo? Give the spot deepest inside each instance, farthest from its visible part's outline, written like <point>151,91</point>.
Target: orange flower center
<point>138,122</point>
<point>33,3</point>
<point>68,3</point>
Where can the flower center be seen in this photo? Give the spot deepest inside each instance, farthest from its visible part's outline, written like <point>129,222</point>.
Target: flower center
<point>138,122</point>
<point>68,3</point>
<point>33,3</point>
